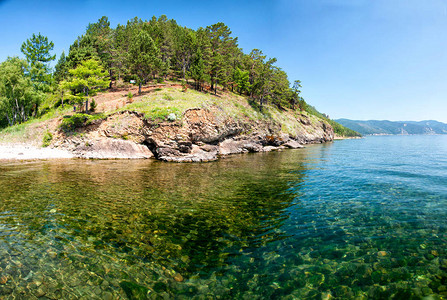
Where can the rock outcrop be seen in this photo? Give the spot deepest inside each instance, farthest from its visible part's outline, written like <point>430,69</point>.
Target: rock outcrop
<point>202,134</point>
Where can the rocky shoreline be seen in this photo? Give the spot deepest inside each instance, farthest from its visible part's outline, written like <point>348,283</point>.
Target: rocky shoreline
<point>201,135</point>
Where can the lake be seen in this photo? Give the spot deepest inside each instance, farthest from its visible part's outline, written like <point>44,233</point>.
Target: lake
<point>351,219</point>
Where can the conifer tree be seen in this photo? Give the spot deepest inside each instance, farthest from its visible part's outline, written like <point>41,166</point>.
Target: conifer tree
<point>86,79</point>
<point>197,70</point>
<point>221,44</point>
<point>37,52</point>
<point>143,57</point>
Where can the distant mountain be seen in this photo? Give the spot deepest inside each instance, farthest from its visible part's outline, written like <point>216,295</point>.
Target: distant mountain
<point>391,127</point>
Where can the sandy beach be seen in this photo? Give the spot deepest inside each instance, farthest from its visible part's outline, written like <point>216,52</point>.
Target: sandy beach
<point>26,152</point>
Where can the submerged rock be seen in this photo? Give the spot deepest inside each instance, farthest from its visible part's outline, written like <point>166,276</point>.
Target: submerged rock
<point>178,277</point>
<point>382,253</point>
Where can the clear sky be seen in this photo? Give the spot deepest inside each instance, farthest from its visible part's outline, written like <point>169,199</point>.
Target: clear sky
<point>357,59</point>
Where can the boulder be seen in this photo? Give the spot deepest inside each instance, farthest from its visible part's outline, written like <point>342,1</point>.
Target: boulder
<point>292,144</point>
<point>112,148</point>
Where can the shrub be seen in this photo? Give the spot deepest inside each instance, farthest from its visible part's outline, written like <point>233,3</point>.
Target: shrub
<point>184,86</point>
<point>47,138</point>
<point>167,97</point>
<point>129,97</point>
<point>70,123</point>
<point>93,105</point>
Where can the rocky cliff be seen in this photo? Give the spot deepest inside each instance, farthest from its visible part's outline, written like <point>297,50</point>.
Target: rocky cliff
<point>200,134</point>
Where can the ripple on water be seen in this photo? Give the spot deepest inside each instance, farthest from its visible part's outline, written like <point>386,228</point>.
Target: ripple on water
<point>352,219</point>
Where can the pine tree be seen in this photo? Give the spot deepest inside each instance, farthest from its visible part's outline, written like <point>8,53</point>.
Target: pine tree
<point>221,45</point>
<point>102,40</point>
<point>61,68</point>
<point>86,79</point>
<point>143,57</point>
<point>197,70</point>
<point>241,80</point>
<point>37,52</point>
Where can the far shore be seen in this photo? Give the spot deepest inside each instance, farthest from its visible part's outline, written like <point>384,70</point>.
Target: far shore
<point>346,137</point>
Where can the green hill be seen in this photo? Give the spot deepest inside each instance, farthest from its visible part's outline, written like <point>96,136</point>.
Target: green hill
<point>395,127</point>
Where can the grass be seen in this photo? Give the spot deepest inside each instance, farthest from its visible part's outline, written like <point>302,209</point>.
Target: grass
<point>159,103</point>
<point>70,123</point>
<point>27,132</point>
<point>47,138</point>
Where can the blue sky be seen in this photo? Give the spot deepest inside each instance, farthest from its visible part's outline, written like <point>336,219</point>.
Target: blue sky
<point>357,59</point>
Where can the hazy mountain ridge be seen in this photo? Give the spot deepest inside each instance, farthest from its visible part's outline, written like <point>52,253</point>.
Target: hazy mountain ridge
<point>395,127</point>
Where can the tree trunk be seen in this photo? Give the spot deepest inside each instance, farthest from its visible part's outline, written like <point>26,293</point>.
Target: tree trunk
<point>86,103</point>
<point>139,88</point>
<point>110,74</point>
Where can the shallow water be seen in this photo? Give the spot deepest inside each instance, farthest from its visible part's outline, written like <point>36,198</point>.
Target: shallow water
<point>350,219</point>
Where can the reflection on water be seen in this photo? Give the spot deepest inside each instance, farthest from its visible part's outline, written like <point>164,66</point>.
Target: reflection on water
<point>353,219</point>
<point>136,228</point>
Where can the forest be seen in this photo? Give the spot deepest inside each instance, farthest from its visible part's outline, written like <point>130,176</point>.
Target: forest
<point>208,59</point>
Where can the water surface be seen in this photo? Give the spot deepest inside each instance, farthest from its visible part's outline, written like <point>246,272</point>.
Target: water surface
<point>355,218</point>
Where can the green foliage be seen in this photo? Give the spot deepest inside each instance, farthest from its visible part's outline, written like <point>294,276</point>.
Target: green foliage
<point>197,69</point>
<point>159,48</point>
<point>81,50</point>
<point>146,50</point>
<point>161,113</point>
<point>184,86</point>
<point>167,97</point>
<point>129,95</point>
<point>342,130</point>
<point>85,80</point>
<point>338,128</point>
<point>18,98</point>
<point>241,80</point>
<point>61,68</point>
<point>93,105</point>
<point>143,57</point>
<point>37,52</point>
<point>221,49</point>
<point>71,123</point>
<point>47,138</point>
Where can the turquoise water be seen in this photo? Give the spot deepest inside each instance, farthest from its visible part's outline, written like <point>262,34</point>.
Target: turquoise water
<point>350,219</point>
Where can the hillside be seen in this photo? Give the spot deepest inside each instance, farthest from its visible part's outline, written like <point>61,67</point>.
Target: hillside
<point>171,124</point>
<point>395,127</point>
<point>154,88</point>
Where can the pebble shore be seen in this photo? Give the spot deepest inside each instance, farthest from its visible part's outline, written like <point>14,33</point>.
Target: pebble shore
<point>27,152</point>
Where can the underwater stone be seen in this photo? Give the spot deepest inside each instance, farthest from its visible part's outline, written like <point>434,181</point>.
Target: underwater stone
<point>178,277</point>
<point>107,296</point>
<point>382,253</point>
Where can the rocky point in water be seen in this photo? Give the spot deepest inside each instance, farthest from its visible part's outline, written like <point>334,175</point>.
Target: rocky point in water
<point>202,134</point>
